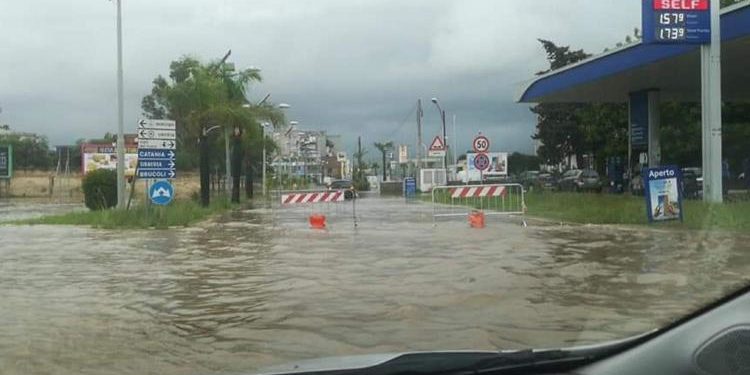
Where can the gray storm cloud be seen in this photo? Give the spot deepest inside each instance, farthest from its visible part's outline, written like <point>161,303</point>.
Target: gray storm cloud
<point>349,67</point>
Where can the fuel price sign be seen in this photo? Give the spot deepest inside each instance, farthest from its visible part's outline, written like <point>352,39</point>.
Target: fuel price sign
<point>677,21</point>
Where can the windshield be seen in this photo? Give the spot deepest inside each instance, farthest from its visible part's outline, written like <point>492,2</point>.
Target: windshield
<point>213,187</point>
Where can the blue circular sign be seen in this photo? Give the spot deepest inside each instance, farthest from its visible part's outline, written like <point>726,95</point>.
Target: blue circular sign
<point>161,193</point>
<point>482,162</point>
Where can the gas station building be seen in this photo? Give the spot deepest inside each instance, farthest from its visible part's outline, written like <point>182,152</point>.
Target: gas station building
<point>642,75</point>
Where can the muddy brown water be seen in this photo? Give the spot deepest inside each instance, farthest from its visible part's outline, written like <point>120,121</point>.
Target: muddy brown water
<point>260,288</point>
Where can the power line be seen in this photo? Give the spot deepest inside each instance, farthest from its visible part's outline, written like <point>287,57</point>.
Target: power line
<point>403,122</point>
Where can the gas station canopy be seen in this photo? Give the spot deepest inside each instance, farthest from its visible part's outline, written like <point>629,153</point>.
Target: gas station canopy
<point>673,70</point>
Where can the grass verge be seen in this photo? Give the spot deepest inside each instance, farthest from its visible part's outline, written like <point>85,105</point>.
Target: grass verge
<point>179,213</point>
<point>582,208</point>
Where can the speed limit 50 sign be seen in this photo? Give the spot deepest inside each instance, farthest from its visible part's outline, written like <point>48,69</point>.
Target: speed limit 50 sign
<point>481,144</point>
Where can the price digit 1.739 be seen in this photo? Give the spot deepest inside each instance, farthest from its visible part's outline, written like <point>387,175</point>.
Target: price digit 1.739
<point>672,33</point>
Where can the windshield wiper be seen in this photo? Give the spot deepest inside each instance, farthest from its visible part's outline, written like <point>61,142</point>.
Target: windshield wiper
<point>466,363</point>
<point>502,363</point>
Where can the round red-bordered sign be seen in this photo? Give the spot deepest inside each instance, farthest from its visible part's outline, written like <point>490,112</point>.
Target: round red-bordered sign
<point>482,162</point>
<point>481,144</point>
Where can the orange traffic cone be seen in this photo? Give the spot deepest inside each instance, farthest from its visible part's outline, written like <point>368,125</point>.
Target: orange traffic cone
<point>476,219</point>
<point>318,221</point>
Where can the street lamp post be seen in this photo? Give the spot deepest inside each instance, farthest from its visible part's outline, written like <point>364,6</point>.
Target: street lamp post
<point>120,115</point>
<point>445,141</point>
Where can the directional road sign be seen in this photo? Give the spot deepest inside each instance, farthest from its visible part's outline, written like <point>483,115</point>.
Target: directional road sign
<point>158,144</point>
<point>156,173</point>
<point>146,153</point>
<point>161,193</point>
<point>157,124</point>
<point>156,134</point>
<point>156,163</point>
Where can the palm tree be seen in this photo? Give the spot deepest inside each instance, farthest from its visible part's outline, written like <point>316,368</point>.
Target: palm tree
<point>383,148</point>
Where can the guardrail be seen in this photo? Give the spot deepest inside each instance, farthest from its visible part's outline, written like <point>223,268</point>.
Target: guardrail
<point>496,199</point>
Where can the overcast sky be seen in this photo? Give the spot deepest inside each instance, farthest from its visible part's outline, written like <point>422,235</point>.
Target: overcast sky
<point>350,67</point>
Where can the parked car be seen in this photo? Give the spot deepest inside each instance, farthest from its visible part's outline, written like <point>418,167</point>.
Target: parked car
<point>544,181</point>
<point>346,186</point>
<point>528,178</point>
<point>580,180</point>
<point>692,183</point>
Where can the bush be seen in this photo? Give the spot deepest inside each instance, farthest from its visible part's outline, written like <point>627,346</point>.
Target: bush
<point>100,189</point>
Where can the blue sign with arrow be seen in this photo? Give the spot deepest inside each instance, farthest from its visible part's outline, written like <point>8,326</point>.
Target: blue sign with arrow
<point>156,164</point>
<point>155,154</point>
<point>161,193</point>
<point>156,173</point>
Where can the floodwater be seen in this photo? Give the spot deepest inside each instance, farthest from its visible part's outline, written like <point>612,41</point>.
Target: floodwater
<point>29,208</point>
<point>260,288</point>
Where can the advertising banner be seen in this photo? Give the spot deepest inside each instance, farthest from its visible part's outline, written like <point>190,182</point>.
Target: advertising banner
<point>97,156</point>
<point>403,154</point>
<point>663,193</point>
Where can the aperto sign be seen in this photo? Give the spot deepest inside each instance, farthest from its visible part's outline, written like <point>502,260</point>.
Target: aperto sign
<point>663,187</point>
<point>676,21</point>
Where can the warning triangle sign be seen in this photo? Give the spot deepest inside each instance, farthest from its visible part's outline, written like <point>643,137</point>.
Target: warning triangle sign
<point>437,144</point>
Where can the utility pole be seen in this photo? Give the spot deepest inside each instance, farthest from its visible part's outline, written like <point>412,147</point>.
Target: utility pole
<point>359,157</point>
<point>120,115</point>
<point>204,165</point>
<point>420,114</point>
<point>455,144</point>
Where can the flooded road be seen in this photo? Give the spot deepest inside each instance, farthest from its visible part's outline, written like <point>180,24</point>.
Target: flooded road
<point>23,209</point>
<point>260,288</point>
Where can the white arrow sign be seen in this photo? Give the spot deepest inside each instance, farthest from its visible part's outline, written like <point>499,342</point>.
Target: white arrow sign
<point>156,134</point>
<point>157,144</point>
<point>157,124</point>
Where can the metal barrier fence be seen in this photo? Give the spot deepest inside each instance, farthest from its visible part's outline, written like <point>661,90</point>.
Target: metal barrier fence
<point>320,201</point>
<point>497,199</point>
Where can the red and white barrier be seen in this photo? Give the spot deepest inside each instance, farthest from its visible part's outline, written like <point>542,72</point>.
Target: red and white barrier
<point>313,197</point>
<point>478,191</point>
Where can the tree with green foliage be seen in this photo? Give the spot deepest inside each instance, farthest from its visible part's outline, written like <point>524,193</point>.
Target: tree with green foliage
<point>557,127</point>
<point>518,162</point>
<point>198,95</point>
<point>29,153</point>
<point>384,147</point>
